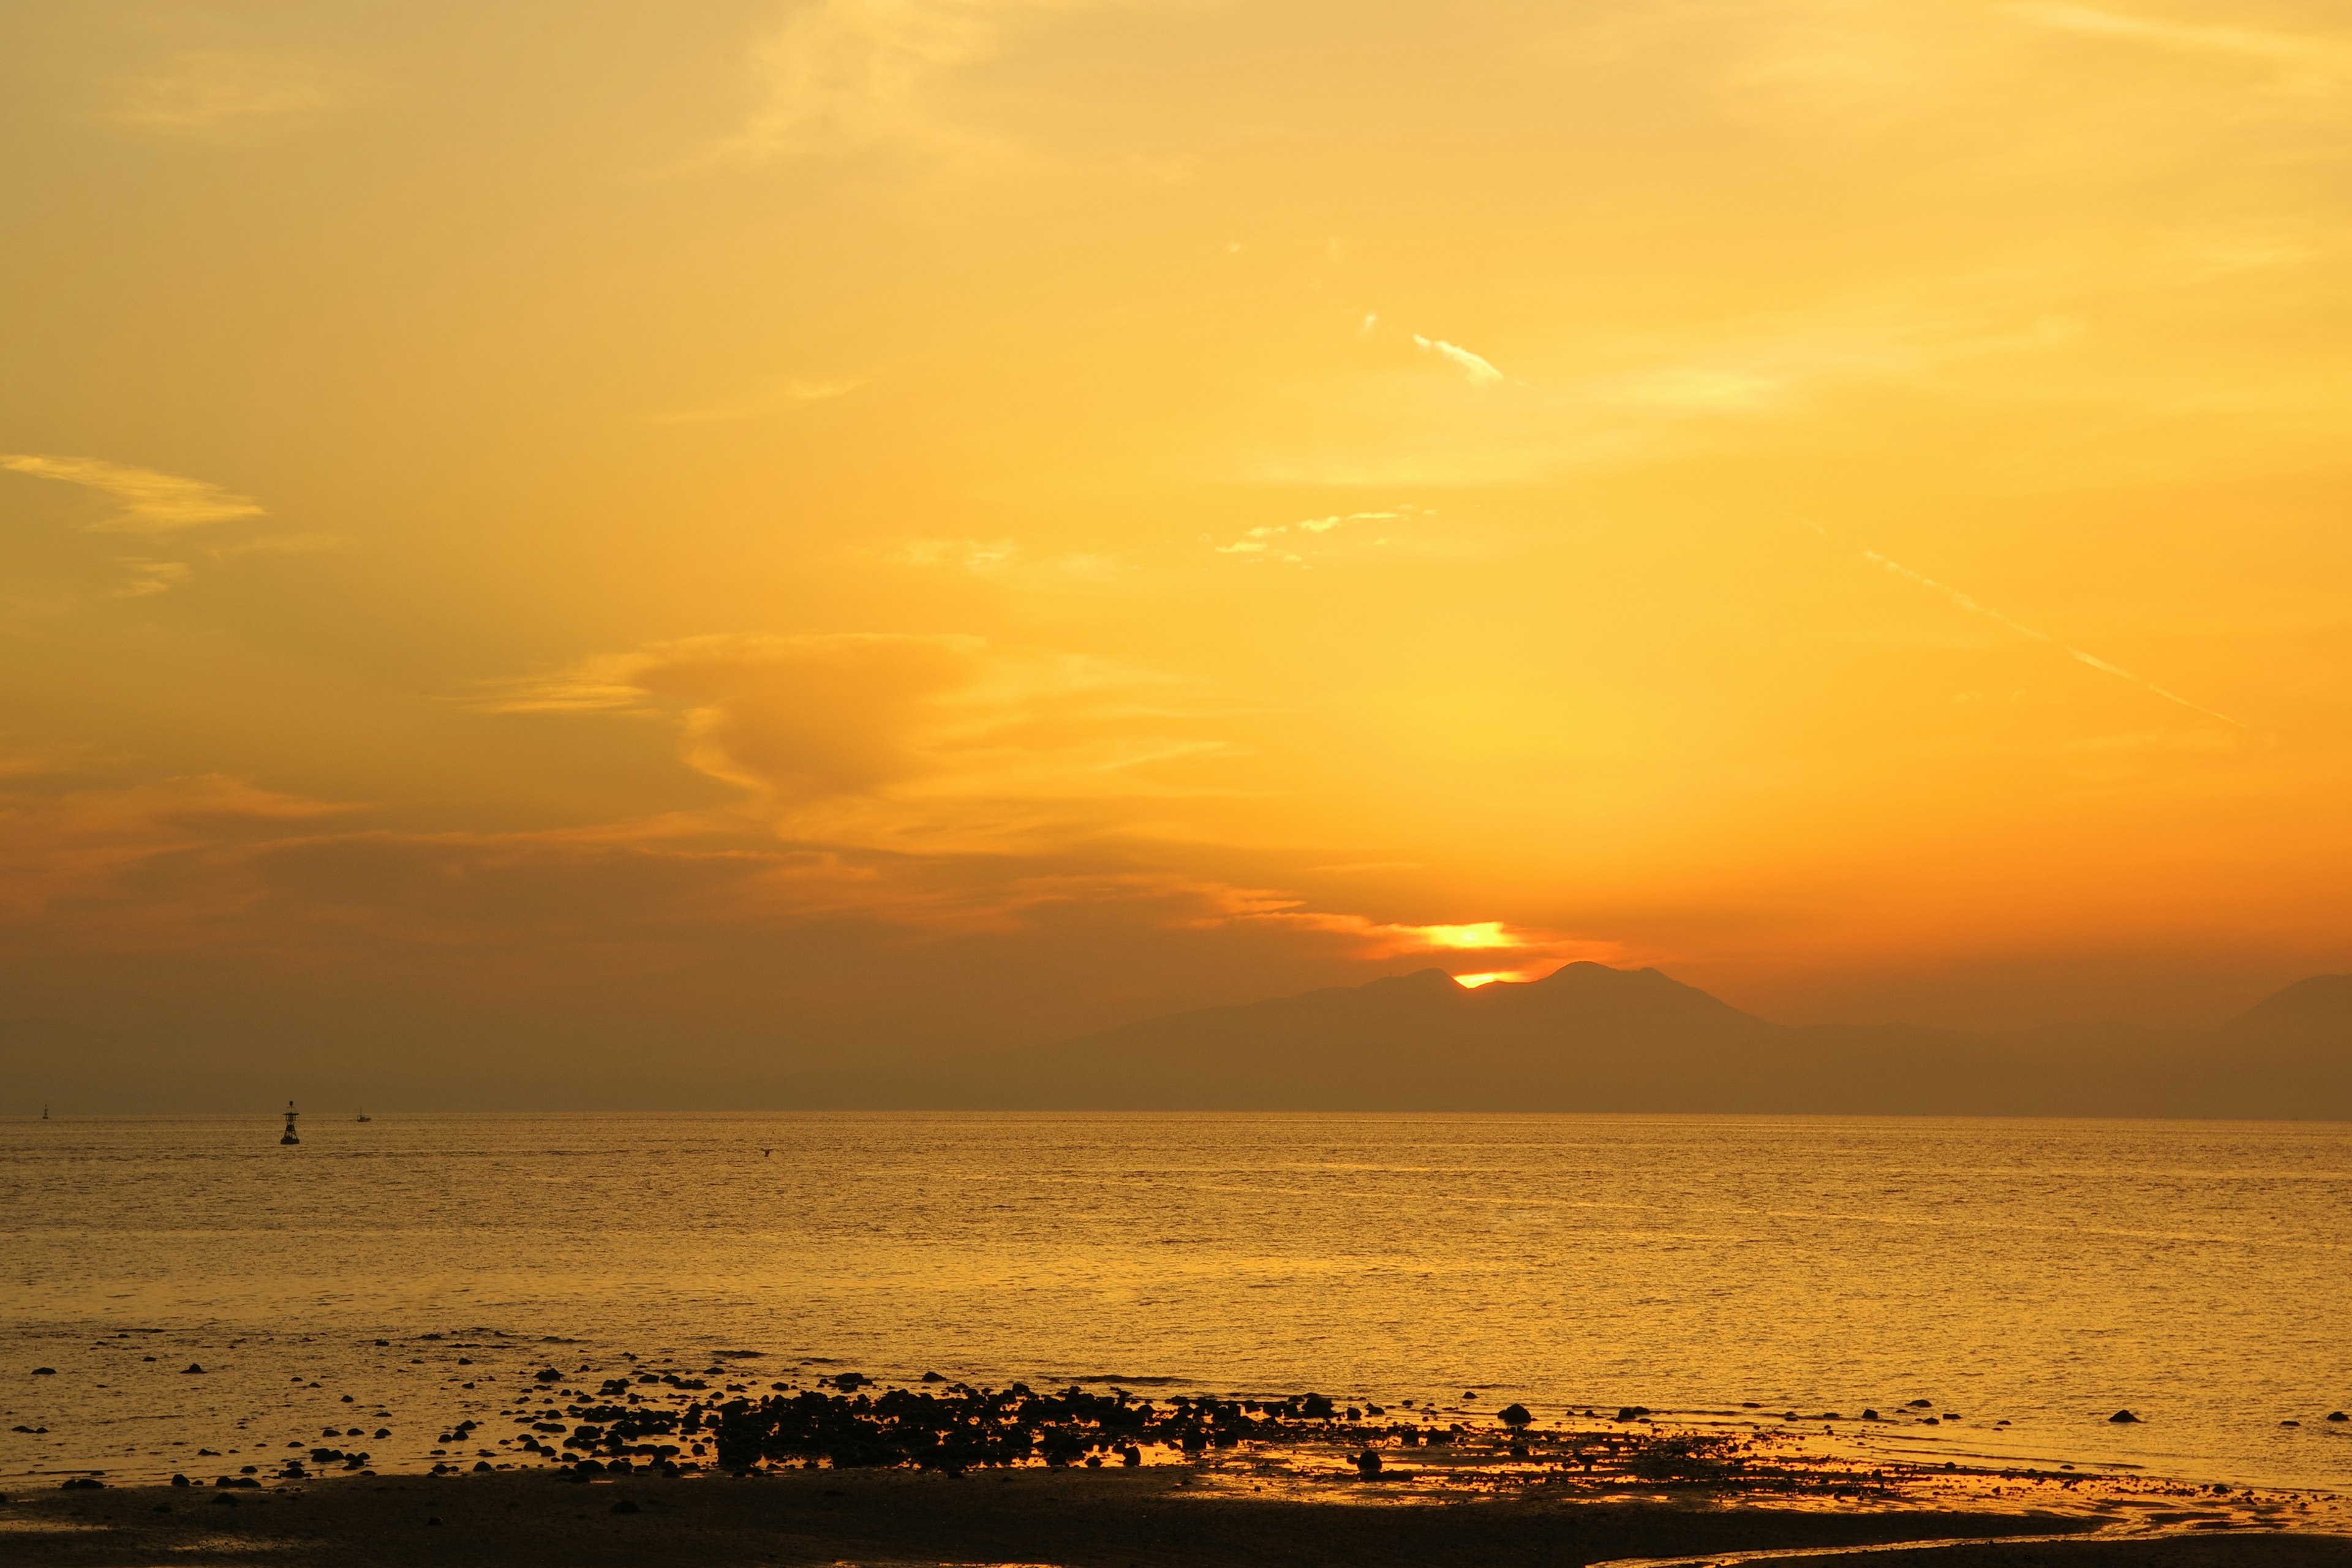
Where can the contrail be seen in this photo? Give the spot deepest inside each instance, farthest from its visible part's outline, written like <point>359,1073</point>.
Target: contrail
<point>2093,661</point>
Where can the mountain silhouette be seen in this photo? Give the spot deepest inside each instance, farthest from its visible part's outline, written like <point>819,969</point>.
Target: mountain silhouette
<point>1591,1037</point>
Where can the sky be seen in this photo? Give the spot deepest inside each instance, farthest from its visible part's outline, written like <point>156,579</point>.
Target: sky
<point>755,534</point>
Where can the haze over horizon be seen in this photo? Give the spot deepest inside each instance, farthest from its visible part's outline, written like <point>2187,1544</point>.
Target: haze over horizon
<point>745,537</point>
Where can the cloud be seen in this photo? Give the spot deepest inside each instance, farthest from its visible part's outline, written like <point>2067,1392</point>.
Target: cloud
<point>782,398</point>
<point>1525,951</point>
<point>148,577</point>
<point>844,74</point>
<point>980,555</point>
<point>277,544</point>
<point>153,502</point>
<point>2325,55</point>
<point>1290,542</point>
<point>1478,372</point>
<point>217,90</point>
<point>1897,568</point>
<point>1007,562</point>
<point>89,848</point>
<point>936,743</point>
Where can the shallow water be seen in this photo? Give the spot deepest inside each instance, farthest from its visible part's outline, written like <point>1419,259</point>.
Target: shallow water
<point>2040,1273</point>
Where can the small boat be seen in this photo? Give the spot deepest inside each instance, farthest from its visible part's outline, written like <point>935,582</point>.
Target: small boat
<point>363,1116</point>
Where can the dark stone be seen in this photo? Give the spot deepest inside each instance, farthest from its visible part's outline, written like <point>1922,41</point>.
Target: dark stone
<point>45,1371</point>
<point>1515,1416</point>
<point>1368,1463</point>
<point>850,1381</point>
<point>2122,1417</point>
<point>1870,1416</point>
<point>192,1366</point>
<point>547,1375</point>
<point>179,1481</point>
<point>930,1377</point>
<point>481,1465</point>
<point>2338,1415</point>
<point>82,1484</point>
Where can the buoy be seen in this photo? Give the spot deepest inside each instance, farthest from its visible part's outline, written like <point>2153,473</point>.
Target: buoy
<point>289,1137</point>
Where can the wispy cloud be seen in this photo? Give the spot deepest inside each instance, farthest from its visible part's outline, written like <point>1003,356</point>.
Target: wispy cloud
<point>212,91</point>
<point>782,398</point>
<point>1290,543</point>
<point>277,544</point>
<point>1476,369</point>
<point>147,577</point>
<point>941,742</point>
<point>1505,951</point>
<point>153,502</point>
<point>2325,55</point>
<point>1012,563</point>
<point>1975,607</point>
<point>844,74</point>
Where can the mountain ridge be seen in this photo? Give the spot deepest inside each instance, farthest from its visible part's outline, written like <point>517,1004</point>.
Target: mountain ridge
<point>1589,1036</point>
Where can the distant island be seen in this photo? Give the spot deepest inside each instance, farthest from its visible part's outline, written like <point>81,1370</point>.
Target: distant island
<point>1592,1038</point>
<point>1585,1037</point>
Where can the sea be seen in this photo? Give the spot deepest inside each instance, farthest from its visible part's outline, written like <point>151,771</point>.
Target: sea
<point>1995,1292</point>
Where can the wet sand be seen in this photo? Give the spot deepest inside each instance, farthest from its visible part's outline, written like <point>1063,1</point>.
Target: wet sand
<point>1172,1515</point>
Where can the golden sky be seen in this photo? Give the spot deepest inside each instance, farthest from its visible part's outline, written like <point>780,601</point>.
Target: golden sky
<point>797,527</point>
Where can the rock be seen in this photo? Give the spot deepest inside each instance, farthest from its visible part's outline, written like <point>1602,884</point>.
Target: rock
<point>1368,1464</point>
<point>2122,1417</point>
<point>1470,1395</point>
<point>45,1371</point>
<point>1631,1412</point>
<point>192,1367</point>
<point>82,1484</point>
<point>1130,1456</point>
<point>433,1522</point>
<point>481,1465</point>
<point>625,1506</point>
<point>179,1481</point>
<point>2290,1423</point>
<point>930,1377</point>
<point>1919,1404</point>
<point>2338,1415</point>
<point>850,1382</point>
<point>547,1375</point>
<point>1513,1415</point>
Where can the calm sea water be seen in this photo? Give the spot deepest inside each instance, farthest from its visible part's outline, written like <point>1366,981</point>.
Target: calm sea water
<point>2038,1273</point>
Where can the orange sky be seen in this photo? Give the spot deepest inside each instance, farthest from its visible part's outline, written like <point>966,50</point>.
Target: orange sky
<point>792,527</point>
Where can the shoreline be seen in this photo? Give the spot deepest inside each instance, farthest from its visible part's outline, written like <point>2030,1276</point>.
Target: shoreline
<point>1173,1516</point>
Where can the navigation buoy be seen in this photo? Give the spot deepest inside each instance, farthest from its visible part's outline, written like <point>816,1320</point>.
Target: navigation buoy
<point>289,1137</point>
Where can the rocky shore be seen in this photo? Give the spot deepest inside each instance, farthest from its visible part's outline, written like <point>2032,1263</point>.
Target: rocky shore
<point>662,1466</point>
<point>1199,1515</point>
